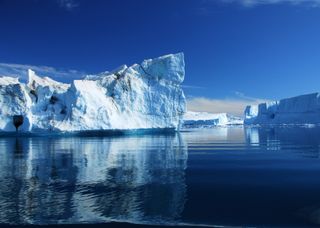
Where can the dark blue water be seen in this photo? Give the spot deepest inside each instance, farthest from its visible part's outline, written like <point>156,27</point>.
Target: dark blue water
<point>223,176</point>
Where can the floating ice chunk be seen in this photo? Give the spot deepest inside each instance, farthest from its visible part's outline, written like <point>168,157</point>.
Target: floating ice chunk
<point>206,119</point>
<point>304,109</point>
<point>141,96</point>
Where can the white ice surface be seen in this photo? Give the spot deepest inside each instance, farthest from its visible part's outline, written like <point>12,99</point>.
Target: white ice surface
<point>141,96</point>
<point>206,119</point>
<point>304,109</point>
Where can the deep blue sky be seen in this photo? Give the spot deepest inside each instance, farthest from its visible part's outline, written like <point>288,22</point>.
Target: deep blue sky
<point>264,50</point>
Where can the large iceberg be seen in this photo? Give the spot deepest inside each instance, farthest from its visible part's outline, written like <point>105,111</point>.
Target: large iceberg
<point>304,109</point>
<point>142,96</point>
<point>206,120</point>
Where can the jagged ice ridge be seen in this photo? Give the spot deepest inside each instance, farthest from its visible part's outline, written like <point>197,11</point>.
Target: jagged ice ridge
<point>142,96</point>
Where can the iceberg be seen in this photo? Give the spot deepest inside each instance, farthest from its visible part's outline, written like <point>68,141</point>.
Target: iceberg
<point>206,119</point>
<point>142,96</point>
<point>304,109</point>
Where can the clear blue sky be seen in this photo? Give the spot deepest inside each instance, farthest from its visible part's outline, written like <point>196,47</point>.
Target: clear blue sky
<point>263,49</point>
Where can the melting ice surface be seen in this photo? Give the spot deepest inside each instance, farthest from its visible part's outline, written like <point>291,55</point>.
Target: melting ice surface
<point>219,176</point>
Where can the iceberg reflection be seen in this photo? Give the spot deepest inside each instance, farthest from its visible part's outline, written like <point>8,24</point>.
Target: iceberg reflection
<point>138,179</point>
<point>283,137</point>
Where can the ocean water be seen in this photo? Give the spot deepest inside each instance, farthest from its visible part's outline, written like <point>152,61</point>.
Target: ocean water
<point>223,176</point>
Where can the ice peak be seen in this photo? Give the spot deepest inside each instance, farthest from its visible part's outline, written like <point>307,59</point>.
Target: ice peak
<point>169,67</point>
<point>34,81</point>
<point>5,80</point>
<point>119,69</point>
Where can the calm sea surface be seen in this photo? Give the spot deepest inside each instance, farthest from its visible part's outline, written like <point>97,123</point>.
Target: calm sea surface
<point>223,176</point>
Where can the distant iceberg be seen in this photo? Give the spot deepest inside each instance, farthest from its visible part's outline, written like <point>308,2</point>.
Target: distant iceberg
<point>142,96</point>
<point>207,120</point>
<point>304,109</point>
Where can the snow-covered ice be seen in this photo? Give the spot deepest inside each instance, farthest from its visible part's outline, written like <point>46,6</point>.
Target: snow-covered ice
<point>206,119</point>
<point>304,109</point>
<point>142,96</point>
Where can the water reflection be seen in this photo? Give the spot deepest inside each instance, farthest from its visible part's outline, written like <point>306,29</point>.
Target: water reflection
<point>139,179</point>
<point>266,177</point>
<point>285,138</point>
<point>232,134</point>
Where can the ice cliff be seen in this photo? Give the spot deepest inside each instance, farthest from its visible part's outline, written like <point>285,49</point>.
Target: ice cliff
<point>304,109</point>
<point>206,119</point>
<point>142,96</point>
